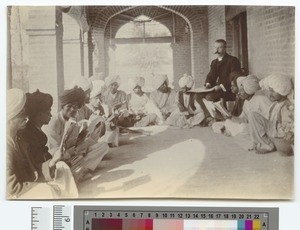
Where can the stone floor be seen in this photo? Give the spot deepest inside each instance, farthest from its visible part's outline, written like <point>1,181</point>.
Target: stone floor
<point>168,162</point>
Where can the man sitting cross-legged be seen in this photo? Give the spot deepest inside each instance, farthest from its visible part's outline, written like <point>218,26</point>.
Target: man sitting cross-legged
<point>189,112</point>
<point>248,86</point>
<point>163,96</point>
<point>141,108</point>
<point>269,133</point>
<point>84,157</point>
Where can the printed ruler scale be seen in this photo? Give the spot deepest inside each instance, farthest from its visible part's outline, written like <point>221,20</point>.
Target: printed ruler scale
<point>62,217</point>
<point>59,217</point>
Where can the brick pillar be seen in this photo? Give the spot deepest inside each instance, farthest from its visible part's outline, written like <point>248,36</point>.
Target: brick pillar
<point>45,55</point>
<point>216,28</point>
<point>99,59</point>
<point>90,53</point>
<point>112,59</point>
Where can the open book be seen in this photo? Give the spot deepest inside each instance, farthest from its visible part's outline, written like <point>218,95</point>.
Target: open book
<point>201,90</point>
<point>220,107</point>
<point>77,133</point>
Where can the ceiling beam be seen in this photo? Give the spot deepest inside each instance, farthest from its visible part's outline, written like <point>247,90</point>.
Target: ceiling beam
<point>139,40</point>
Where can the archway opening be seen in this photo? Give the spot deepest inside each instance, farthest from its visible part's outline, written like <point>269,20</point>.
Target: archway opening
<point>141,47</point>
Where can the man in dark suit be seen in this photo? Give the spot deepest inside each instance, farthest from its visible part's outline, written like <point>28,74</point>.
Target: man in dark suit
<point>219,78</point>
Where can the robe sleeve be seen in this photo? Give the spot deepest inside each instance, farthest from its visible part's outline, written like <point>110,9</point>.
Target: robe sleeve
<point>15,187</point>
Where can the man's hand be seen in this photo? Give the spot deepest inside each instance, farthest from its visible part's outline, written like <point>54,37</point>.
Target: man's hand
<point>95,135</point>
<point>217,88</point>
<point>57,156</point>
<point>166,115</point>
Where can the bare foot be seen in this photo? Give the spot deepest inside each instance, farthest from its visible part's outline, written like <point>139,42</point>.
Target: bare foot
<point>252,147</point>
<point>261,151</point>
<point>210,121</point>
<point>226,133</point>
<point>83,175</point>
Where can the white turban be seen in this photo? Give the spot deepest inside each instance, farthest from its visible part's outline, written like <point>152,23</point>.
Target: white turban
<point>187,81</point>
<point>111,79</point>
<point>15,102</point>
<point>98,88</point>
<point>82,82</point>
<point>158,80</point>
<point>136,81</point>
<point>239,81</point>
<point>250,84</point>
<point>280,84</point>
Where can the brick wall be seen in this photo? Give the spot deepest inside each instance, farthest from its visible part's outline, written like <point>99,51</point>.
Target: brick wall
<point>181,51</point>
<point>199,21</point>
<point>216,28</point>
<point>271,40</point>
<point>229,38</point>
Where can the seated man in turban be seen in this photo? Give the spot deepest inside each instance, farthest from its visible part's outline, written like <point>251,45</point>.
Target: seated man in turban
<point>111,133</point>
<point>84,112</point>
<point>83,159</point>
<point>189,112</point>
<point>115,99</point>
<point>163,96</point>
<point>247,87</point>
<point>269,131</point>
<point>31,171</point>
<point>96,99</point>
<point>141,108</point>
<point>239,102</point>
<point>117,103</point>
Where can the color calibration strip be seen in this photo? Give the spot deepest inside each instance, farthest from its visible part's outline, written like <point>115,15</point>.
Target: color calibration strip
<point>157,224</point>
<point>174,218</point>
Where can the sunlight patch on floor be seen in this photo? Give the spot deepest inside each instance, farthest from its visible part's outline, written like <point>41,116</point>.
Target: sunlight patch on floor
<point>160,174</point>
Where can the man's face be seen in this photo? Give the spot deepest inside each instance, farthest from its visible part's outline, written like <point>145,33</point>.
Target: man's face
<point>234,88</point>
<point>70,110</point>
<point>185,89</point>
<point>96,101</point>
<point>45,117</point>
<point>138,90</point>
<point>164,87</point>
<point>113,87</point>
<point>87,96</point>
<point>273,96</point>
<point>242,94</point>
<point>219,48</point>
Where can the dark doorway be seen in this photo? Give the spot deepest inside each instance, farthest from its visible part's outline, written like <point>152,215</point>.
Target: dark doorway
<point>240,39</point>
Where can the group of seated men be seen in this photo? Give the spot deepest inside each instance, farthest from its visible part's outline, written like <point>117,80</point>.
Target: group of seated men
<point>41,165</point>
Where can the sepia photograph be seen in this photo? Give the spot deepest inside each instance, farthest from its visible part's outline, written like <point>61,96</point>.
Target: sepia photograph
<point>150,101</point>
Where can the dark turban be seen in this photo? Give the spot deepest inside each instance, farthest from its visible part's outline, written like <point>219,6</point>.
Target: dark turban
<point>37,102</point>
<point>73,96</point>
